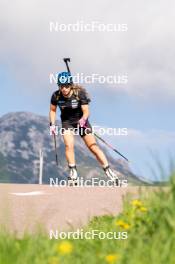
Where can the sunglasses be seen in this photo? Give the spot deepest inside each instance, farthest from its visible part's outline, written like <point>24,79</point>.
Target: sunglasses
<point>65,86</point>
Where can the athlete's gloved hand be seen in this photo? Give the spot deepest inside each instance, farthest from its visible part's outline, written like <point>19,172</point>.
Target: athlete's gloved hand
<point>82,122</point>
<point>53,130</point>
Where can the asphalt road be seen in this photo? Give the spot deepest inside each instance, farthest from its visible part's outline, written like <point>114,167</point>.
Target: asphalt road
<point>24,207</point>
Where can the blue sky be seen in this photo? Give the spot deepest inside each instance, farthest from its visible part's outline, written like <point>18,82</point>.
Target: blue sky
<point>29,53</point>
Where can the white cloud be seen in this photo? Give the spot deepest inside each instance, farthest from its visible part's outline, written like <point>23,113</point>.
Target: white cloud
<point>152,138</point>
<point>146,52</point>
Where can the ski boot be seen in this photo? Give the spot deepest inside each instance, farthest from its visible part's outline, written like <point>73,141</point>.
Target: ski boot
<point>73,176</point>
<point>111,175</point>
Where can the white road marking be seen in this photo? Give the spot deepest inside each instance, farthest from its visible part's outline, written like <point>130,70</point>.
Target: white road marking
<point>29,193</point>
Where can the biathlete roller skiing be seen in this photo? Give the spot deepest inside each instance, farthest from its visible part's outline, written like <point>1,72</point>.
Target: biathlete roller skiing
<point>73,102</point>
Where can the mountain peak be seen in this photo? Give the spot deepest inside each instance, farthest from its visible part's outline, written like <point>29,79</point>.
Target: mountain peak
<point>23,134</point>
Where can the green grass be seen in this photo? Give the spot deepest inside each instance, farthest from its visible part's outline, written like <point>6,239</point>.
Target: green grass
<point>148,221</point>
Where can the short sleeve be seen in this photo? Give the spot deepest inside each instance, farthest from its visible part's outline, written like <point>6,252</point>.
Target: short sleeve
<point>84,97</point>
<point>54,100</point>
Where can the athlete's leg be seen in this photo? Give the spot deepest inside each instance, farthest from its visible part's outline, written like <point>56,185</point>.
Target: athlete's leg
<point>90,142</point>
<point>68,138</point>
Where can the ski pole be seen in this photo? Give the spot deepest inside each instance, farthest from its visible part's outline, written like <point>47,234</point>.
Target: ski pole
<point>55,145</point>
<point>111,147</point>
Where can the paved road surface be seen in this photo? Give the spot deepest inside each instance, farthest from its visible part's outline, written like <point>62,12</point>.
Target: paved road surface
<point>22,207</point>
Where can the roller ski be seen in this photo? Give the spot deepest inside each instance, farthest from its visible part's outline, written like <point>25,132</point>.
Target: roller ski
<point>73,176</point>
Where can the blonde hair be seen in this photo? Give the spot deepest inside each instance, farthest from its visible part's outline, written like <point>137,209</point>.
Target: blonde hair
<point>76,88</point>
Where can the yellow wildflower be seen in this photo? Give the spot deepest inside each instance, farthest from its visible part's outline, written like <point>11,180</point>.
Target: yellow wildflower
<point>122,224</point>
<point>143,209</point>
<point>136,203</point>
<point>65,247</point>
<point>111,258</point>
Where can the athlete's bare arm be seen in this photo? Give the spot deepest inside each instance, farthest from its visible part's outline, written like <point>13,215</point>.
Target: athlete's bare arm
<point>85,109</point>
<point>52,113</point>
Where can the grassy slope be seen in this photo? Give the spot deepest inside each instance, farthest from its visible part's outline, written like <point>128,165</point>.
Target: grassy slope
<point>149,222</point>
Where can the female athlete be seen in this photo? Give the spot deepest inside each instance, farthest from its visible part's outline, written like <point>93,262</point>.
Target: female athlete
<point>73,102</point>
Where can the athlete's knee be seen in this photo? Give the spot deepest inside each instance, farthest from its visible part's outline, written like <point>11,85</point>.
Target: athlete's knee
<point>93,147</point>
<point>69,147</point>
